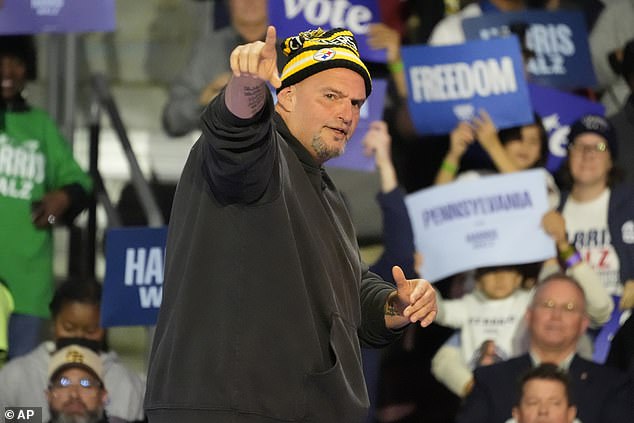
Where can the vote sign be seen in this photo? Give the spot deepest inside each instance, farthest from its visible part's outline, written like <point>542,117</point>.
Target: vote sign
<point>290,17</point>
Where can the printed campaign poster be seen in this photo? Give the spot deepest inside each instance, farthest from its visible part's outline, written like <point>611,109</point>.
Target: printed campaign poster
<point>493,220</point>
<point>133,284</point>
<point>372,110</point>
<point>558,40</point>
<point>448,84</point>
<point>290,17</point>
<point>35,16</point>
<point>558,110</point>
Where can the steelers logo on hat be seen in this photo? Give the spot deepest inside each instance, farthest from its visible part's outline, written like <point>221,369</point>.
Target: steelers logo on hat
<point>317,50</point>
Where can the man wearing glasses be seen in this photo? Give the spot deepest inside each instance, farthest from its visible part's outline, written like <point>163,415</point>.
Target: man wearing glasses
<point>76,392</point>
<point>556,319</point>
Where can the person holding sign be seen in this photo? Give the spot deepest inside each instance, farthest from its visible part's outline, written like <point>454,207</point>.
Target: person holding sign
<point>599,209</point>
<point>511,149</point>
<point>265,299</point>
<point>490,318</point>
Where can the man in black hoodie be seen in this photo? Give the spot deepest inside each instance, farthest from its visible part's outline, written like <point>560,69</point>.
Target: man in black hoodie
<point>266,300</point>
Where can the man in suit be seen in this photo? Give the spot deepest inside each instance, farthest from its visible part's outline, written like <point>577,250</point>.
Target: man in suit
<point>556,320</point>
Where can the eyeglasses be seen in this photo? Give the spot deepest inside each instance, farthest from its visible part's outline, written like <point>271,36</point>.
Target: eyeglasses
<point>568,308</point>
<point>591,149</point>
<point>85,384</point>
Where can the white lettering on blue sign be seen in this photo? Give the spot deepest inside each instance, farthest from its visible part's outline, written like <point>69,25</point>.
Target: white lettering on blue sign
<point>143,266</point>
<point>551,43</point>
<point>335,14</point>
<point>150,296</point>
<point>460,81</point>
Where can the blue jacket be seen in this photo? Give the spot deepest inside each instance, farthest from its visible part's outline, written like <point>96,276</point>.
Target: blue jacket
<point>620,225</point>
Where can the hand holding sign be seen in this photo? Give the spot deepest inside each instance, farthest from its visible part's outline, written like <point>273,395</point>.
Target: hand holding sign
<point>382,36</point>
<point>459,140</point>
<point>257,60</point>
<point>486,132</point>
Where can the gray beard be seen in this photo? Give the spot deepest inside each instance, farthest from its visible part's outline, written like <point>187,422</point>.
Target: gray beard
<point>90,417</point>
<point>323,152</point>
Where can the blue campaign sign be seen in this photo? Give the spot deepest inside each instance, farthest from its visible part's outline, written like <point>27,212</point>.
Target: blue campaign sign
<point>372,110</point>
<point>35,16</point>
<point>559,41</point>
<point>558,111</point>
<point>448,84</point>
<point>133,285</point>
<point>290,17</point>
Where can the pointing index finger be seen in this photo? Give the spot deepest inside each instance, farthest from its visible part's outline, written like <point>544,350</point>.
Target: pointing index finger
<point>270,40</point>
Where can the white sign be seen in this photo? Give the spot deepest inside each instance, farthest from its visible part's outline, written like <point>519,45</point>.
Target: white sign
<point>493,220</point>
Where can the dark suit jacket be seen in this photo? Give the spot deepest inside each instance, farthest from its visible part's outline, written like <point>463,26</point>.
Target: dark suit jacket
<point>621,353</point>
<point>602,394</point>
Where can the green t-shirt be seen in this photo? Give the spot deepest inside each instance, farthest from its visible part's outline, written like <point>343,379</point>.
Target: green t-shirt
<point>34,159</point>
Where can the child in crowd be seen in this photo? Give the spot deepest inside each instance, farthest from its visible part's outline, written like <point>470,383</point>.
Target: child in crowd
<point>490,323</point>
<point>510,150</point>
<point>491,317</point>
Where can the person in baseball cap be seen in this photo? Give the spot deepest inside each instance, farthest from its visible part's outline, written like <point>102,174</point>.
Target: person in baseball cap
<point>76,392</point>
<point>598,125</point>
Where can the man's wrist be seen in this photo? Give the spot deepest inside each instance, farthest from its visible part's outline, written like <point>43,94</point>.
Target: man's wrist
<point>391,305</point>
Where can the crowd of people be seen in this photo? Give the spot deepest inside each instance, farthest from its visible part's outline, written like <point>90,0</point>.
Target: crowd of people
<point>269,313</point>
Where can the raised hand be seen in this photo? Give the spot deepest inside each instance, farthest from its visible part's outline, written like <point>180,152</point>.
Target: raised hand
<point>382,36</point>
<point>257,59</point>
<point>460,139</point>
<point>486,132</point>
<point>377,142</point>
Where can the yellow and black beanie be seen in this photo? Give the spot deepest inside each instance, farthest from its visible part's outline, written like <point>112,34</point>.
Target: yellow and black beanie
<point>317,50</point>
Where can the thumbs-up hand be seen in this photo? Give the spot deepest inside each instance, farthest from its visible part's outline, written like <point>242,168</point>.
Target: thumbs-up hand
<point>413,301</point>
<point>257,59</point>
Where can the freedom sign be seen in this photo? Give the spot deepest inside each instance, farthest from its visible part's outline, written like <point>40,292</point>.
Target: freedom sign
<point>372,110</point>
<point>290,17</point>
<point>35,16</point>
<point>133,284</point>
<point>559,41</point>
<point>490,221</point>
<point>449,84</point>
<point>558,110</point>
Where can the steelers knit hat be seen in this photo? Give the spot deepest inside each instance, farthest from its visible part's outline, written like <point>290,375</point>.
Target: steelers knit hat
<point>317,50</point>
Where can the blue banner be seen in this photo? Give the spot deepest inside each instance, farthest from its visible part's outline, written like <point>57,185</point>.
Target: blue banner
<point>35,16</point>
<point>448,84</point>
<point>133,285</point>
<point>558,111</point>
<point>559,41</point>
<point>290,17</point>
<point>372,110</point>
